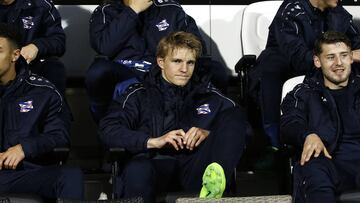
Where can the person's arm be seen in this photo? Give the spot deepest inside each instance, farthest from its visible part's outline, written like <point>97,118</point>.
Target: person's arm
<point>111,27</point>
<point>119,128</point>
<point>294,119</point>
<point>289,34</point>
<point>52,40</point>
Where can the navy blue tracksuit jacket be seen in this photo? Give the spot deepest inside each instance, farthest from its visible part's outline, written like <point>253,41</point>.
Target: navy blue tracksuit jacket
<point>33,114</point>
<point>310,108</point>
<point>118,32</point>
<point>131,120</point>
<point>294,30</point>
<point>39,23</point>
<point>313,108</point>
<point>156,107</point>
<point>289,52</point>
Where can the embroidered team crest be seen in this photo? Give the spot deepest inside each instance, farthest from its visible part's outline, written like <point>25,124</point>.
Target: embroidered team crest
<point>203,109</point>
<point>26,106</point>
<point>28,22</point>
<point>162,25</point>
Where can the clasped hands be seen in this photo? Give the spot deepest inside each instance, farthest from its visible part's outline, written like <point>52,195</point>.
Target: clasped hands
<point>179,139</point>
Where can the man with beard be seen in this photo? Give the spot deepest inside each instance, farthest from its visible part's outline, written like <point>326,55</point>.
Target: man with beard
<point>289,51</point>
<point>321,118</point>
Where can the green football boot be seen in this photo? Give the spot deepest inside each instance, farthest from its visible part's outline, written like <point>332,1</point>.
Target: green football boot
<point>214,181</point>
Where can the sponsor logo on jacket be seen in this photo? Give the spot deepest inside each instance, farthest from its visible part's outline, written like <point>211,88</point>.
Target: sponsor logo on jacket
<point>162,25</point>
<point>28,22</point>
<point>203,109</point>
<point>26,106</point>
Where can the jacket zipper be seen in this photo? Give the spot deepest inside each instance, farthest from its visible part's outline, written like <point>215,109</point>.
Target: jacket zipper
<point>338,122</point>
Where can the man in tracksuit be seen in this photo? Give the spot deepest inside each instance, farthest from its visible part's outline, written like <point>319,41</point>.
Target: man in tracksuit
<point>174,124</point>
<point>321,119</point>
<point>127,33</point>
<point>289,51</point>
<point>34,119</point>
<point>43,36</point>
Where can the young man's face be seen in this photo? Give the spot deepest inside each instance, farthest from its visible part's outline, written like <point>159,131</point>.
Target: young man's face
<point>335,62</point>
<point>178,66</point>
<point>8,57</point>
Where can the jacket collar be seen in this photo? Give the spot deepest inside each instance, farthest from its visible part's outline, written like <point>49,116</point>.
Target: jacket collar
<point>316,81</point>
<point>22,73</point>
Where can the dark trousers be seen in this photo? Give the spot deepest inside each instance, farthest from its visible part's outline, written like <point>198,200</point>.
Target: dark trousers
<point>322,179</point>
<point>101,79</point>
<point>144,175</point>
<point>266,81</point>
<point>53,70</point>
<point>49,182</point>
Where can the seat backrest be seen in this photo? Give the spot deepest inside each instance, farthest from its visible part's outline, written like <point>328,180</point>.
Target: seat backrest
<point>79,54</point>
<point>290,84</point>
<point>257,18</point>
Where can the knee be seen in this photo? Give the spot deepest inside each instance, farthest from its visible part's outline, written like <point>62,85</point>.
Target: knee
<point>233,118</point>
<point>71,176</point>
<point>232,126</point>
<point>138,169</point>
<point>138,175</point>
<point>98,71</point>
<point>319,173</point>
<point>70,183</point>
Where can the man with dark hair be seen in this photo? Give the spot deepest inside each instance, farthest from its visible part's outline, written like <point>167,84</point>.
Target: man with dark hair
<point>321,118</point>
<point>34,120</point>
<point>127,32</point>
<point>174,124</point>
<point>43,38</point>
<point>289,52</point>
